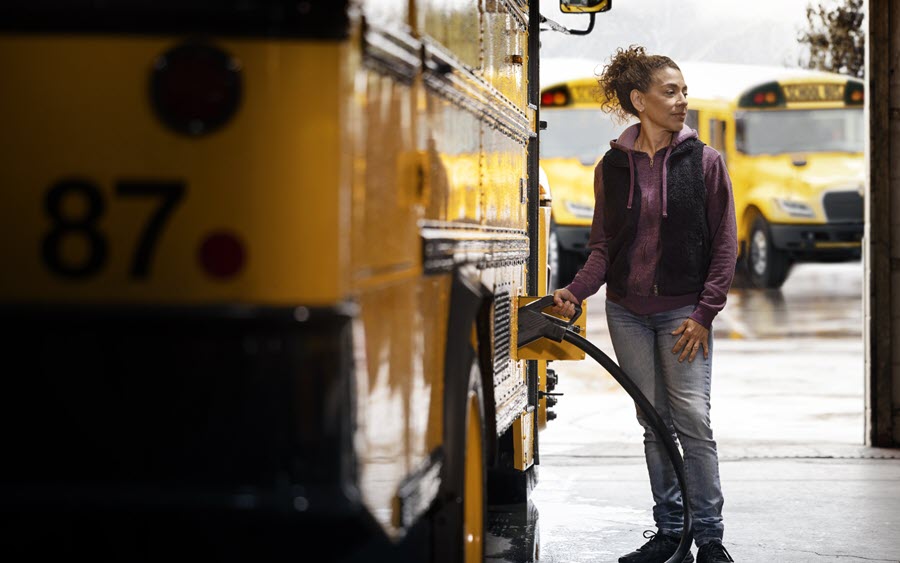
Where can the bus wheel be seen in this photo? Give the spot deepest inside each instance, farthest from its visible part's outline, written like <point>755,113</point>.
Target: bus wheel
<point>553,259</point>
<point>474,499</point>
<point>767,266</point>
<point>460,523</point>
<point>569,264</point>
<point>564,264</point>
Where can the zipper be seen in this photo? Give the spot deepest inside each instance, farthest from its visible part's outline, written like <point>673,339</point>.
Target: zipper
<point>655,288</point>
<point>659,248</point>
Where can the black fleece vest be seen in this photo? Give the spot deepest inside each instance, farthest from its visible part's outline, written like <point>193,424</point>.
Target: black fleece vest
<point>684,234</point>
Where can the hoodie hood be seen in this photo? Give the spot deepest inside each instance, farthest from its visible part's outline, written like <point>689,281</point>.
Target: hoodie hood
<point>625,143</point>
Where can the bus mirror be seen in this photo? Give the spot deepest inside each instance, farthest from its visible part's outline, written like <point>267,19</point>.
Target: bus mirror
<point>590,7</point>
<point>584,6</point>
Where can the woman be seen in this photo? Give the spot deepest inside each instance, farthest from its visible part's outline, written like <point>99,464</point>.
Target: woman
<point>663,240</point>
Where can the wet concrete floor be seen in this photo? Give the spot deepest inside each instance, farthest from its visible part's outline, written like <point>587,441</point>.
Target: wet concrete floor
<point>787,409</point>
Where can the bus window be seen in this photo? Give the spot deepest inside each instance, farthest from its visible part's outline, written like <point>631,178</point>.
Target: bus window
<point>739,143</point>
<point>693,119</point>
<point>815,130</point>
<point>717,136</point>
<point>582,133</point>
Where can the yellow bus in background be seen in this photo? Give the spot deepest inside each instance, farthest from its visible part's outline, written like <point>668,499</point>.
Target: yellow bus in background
<point>262,263</point>
<point>793,142</point>
<point>576,136</point>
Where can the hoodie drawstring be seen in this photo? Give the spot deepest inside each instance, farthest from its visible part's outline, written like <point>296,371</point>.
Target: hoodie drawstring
<point>631,183</point>
<point>625,143</point>
<point>665,193</point>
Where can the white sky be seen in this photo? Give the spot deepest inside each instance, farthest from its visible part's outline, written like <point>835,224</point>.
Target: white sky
<point>727,31</point>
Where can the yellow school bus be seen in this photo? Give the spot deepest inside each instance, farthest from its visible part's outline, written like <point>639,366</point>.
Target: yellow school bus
<point>793,142</point>
<point>262,264</point>
<point>577,134</point>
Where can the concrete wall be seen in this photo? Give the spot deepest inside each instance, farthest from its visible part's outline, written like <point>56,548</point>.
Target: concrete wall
<point>882,251</point>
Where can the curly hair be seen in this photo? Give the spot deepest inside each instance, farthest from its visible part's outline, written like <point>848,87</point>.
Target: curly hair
<point>628,69</point>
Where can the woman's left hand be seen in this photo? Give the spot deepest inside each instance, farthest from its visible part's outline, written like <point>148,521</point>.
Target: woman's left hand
<point>693,336</point>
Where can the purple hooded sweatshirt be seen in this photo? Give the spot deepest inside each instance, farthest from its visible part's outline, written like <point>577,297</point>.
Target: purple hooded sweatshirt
<point>646,249</point>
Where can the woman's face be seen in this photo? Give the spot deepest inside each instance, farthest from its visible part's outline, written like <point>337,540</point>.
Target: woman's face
<point>665,102</point>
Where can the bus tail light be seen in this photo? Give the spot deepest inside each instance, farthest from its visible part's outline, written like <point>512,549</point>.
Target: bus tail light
<point>195,88</point>
<point>766,96</point>
<point>854,94</point>
<point>557,97</point>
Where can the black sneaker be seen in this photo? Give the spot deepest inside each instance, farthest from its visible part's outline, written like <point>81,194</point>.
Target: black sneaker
<point>657,550</point>
<point>713,552</point>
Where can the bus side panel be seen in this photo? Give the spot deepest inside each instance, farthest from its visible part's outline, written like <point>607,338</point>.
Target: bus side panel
<point>455,24</point>
<point>454,176</point>
<point>400,337</point>
<point>400,332</point>
<point>387,186</point>
<point>504,176</point>
<point>505,45</point>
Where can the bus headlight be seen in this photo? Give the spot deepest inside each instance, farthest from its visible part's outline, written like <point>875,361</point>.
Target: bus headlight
<point>795,208</point>
<point>580,210</point>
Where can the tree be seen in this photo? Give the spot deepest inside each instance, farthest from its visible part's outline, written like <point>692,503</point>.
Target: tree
<point>835,38</point>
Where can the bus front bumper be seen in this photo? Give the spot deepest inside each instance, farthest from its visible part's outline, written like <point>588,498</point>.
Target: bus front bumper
<point>828,242</point>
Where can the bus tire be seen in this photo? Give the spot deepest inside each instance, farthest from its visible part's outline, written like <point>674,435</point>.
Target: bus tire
<point>767,266</point>
<point>569,264</point>
<point>564,264</point>
<point>460,523</point>
<point>553,252</point>
<point>508,485</point>
<point>474,498</point>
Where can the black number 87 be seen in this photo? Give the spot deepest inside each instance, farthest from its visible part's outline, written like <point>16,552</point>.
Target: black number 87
<point>84,225</point>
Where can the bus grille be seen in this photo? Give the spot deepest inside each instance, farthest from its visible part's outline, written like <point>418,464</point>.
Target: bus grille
<point>510,389</point>
<point>843,207</point>
<point>501,336</point>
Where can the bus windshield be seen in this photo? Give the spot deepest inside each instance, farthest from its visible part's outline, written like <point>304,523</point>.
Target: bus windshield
<point>814,130</point>
<point>578,133</point>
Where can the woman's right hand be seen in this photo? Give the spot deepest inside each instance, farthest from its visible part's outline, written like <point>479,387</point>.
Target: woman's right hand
<point>564,303</point>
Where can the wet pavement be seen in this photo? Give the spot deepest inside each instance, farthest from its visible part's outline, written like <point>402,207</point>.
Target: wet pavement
<point>787,410</point>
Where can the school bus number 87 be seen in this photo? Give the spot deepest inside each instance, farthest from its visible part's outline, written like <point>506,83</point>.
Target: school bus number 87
<point>67,223</point>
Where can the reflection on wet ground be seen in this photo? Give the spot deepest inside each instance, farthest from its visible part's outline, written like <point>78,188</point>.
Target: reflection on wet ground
<point>818,300</point>
<point>513,534</point>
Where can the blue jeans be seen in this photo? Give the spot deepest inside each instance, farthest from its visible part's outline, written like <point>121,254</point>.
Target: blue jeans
<point>680,394</point>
